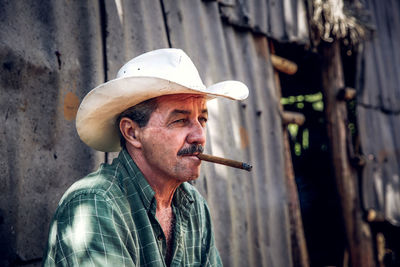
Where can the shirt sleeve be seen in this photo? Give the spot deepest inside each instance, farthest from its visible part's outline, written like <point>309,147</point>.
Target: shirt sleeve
<point>90,231</point>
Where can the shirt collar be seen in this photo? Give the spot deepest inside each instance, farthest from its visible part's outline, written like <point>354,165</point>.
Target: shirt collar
<point>140,183</point>
<point>184,199</point>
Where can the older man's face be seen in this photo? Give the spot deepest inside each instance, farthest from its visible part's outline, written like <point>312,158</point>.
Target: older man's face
<point>178,123</point>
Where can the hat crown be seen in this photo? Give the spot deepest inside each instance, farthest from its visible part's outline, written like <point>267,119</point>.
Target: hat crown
<point>169,64</point>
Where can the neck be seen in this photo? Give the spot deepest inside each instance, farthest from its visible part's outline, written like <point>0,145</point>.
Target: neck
<point>164,191</point>
<point>164,187</point>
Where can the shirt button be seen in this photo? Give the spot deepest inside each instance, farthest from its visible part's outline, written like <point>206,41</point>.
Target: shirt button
<point>160,238</point>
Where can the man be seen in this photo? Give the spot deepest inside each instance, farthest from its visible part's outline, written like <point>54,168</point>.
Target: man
<point>139,210</point>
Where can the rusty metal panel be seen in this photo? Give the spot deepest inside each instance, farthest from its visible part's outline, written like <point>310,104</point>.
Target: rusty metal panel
<point>285,21</point>
<point>381,58</point>
<point>50,57</point>
<point>380,139</point>
<point>249,209</point>
<point>133,27</point>
<point>378,112</point>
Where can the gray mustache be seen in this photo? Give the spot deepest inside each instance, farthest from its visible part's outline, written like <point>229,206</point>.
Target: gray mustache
<point>191,150</point>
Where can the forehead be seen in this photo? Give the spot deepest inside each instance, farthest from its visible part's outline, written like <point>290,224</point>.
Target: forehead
<point>181,100</point>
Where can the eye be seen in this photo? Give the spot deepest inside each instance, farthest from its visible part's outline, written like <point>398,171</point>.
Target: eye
<point>203,120</point>
<point>180,121</point>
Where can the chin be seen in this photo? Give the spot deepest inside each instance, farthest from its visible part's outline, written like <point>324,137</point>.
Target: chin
<point>188,176</point>
<point>186,173</point>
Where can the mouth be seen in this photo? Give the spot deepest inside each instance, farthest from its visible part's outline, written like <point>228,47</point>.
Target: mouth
<point>192,156</point>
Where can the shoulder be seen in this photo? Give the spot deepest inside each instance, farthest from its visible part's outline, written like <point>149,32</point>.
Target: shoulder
<point>91,218</point>
<point>103,184</point>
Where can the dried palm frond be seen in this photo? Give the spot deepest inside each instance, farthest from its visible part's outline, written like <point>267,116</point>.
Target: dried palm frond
<point>339,19</point>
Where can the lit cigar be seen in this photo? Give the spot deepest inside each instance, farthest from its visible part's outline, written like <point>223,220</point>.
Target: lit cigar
<point>224,161</point>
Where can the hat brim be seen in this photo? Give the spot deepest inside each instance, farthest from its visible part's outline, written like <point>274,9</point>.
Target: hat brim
<point>97,114</point>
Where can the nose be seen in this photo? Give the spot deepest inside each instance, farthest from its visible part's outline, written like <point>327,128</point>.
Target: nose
<point>197,134</point>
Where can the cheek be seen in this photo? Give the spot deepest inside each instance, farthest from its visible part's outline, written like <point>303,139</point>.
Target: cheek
<point>162,144</point>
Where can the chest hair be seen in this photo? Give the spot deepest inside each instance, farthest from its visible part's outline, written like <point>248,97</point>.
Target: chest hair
<point>166,219</point>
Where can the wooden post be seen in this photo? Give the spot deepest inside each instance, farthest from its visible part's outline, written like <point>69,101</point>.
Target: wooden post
<point>298,240</point>
<point>358,233</point>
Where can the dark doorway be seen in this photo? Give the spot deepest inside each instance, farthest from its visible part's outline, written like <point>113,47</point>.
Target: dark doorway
<point>319,202</point>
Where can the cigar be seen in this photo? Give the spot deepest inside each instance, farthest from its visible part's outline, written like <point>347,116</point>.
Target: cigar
<point>224,161</point>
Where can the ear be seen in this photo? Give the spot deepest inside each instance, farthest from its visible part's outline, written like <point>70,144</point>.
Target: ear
<point>130,131</point>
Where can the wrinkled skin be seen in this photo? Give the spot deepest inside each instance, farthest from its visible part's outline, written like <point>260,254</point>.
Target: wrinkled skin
<point>178,123</point>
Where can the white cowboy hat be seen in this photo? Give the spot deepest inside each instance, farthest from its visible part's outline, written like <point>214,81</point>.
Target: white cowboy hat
<point>156,73</point>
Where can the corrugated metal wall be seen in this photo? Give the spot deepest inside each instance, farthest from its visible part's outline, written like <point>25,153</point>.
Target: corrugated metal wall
<point>285,20</point>
<point>378,112</point>
<point>53,52</point>
<point>50,54</point>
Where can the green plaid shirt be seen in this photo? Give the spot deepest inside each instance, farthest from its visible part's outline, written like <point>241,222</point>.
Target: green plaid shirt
<point>108,219</point>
